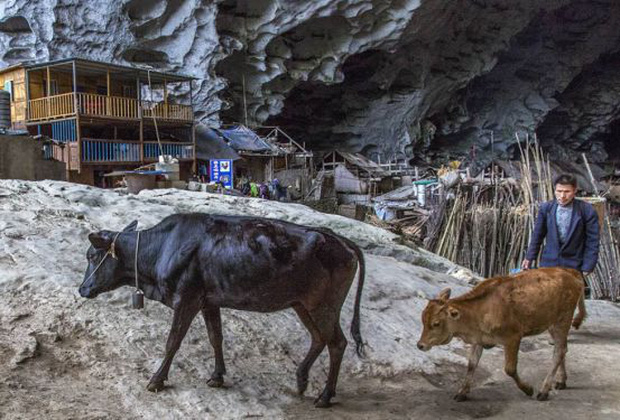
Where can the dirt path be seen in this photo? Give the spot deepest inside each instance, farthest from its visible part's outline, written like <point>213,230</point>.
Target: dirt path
<point>593,386</point>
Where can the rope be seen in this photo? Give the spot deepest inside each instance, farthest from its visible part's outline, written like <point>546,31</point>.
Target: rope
<point>109,252</point>
<point>161,150</point>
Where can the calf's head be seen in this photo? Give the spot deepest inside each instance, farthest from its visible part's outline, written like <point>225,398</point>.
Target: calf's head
<point>438,320</point>
<point>106,269</point>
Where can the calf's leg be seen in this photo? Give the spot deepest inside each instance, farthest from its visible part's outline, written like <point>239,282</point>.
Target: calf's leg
<point>183,316</point>
<point>511,355</point>
<point>559,332</point>
<point>560,379</point>
<point>213,320</point>
<point>316,347</point>
<point>474,357</point>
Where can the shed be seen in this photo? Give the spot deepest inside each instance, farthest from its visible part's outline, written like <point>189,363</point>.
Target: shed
<point>353,173</point>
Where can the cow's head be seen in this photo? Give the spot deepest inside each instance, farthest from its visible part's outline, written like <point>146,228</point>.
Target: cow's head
<point>105,271</point>
<point>437,320</point>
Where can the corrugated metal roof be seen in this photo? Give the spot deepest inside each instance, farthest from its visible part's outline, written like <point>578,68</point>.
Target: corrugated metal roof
<point>211,145</point>
<point>242,139</point>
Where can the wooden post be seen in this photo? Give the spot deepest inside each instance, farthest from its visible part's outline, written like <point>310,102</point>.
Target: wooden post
<point>49,85</point>
<point>191,105</point>
<point>78,131</point>
<point>27,95</point>
<point>75,95</point>
<point>139,98</point>
<point>107,100</point>
<point>165,99</point>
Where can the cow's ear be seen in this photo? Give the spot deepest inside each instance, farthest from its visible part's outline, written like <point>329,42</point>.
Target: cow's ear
<point>131,227</point>
<point>100,240</point>
<point>444,295</point>
<point>454,313</point>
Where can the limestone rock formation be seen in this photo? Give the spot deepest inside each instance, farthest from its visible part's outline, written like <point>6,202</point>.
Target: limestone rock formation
<point>392,78</point>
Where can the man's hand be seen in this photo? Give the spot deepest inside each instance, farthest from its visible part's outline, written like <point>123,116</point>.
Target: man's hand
<point>525,264</point>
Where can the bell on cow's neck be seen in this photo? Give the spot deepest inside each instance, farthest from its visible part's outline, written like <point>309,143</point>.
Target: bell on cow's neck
<point>137,299</point>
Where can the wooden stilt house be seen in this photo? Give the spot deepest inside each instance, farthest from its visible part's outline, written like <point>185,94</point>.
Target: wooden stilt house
<point>105,117</point>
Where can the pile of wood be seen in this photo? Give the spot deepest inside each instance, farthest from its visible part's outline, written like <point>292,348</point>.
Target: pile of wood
<point>487,229</point>
<point>487,236</point>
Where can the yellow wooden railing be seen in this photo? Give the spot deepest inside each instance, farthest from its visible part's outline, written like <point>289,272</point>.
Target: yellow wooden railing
<point>107,106</point>
<point>51,107</point>
<point>167,111</point>
<point>62,106</point>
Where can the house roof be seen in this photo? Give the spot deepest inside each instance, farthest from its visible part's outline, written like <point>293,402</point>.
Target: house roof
<point>88,65</point>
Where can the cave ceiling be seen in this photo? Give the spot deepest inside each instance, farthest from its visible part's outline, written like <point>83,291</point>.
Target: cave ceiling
<point>420,80</point>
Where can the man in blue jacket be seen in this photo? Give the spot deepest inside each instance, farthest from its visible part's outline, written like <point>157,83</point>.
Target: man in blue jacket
<point>571,229</point>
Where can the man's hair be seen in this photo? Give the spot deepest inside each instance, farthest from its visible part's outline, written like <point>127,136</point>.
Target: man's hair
<point>566,179</point>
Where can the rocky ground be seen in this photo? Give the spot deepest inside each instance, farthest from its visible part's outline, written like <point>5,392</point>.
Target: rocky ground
<point>66,357</point>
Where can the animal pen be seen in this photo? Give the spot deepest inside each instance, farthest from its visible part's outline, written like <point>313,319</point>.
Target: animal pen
<point>487,225</point>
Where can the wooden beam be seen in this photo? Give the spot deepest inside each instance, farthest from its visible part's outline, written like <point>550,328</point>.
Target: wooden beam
<point>75,96</point>
<point>49,81</point>
<point>49,85</point>
<point>27,80</point>
<point>165,99</point>
<point>191,102</point>
<point>107,100</point>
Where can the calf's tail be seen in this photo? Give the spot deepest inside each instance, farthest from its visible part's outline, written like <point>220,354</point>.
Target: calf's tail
<point>581,314</point>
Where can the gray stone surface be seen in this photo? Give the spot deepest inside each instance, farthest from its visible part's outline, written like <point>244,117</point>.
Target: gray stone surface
<point>396,78</point>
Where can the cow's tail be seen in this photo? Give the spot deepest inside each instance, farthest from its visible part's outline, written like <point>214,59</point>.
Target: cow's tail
<point>581,314</point>
<point>355,322</point>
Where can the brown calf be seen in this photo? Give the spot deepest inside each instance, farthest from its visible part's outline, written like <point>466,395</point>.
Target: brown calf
<point>503,310</point>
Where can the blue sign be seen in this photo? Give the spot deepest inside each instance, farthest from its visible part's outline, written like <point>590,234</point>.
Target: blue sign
<point>222,171</point>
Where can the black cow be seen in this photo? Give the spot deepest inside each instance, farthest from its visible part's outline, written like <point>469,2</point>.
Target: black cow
<point>199,262</point>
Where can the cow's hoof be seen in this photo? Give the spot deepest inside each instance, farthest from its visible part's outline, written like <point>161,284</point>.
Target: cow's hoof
<point>216,382</point>
<point>155,386</point>
<point>322,403</point>
<point>542,396</point>
<point>460,397</point>
<point>323,400</point>
<point>560,385</point>
<point>302,385</point>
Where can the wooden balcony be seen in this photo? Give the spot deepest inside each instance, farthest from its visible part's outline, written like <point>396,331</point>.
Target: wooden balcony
<point>181,151</point>
<point>114,107</point>
<point>90,104</point>
<point>121,151</point>
<point>51,107</point>
<point>171,112</point>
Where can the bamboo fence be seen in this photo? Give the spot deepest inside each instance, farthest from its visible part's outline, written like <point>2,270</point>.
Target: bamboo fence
<point>487,229</point>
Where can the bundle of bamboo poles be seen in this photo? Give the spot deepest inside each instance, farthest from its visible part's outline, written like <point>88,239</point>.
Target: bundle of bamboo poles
<point>605,280</point>
<point>490,236</point>
<point>486,237</point>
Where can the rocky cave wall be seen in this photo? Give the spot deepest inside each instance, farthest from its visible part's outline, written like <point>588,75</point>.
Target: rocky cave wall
<point>396,79</point>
